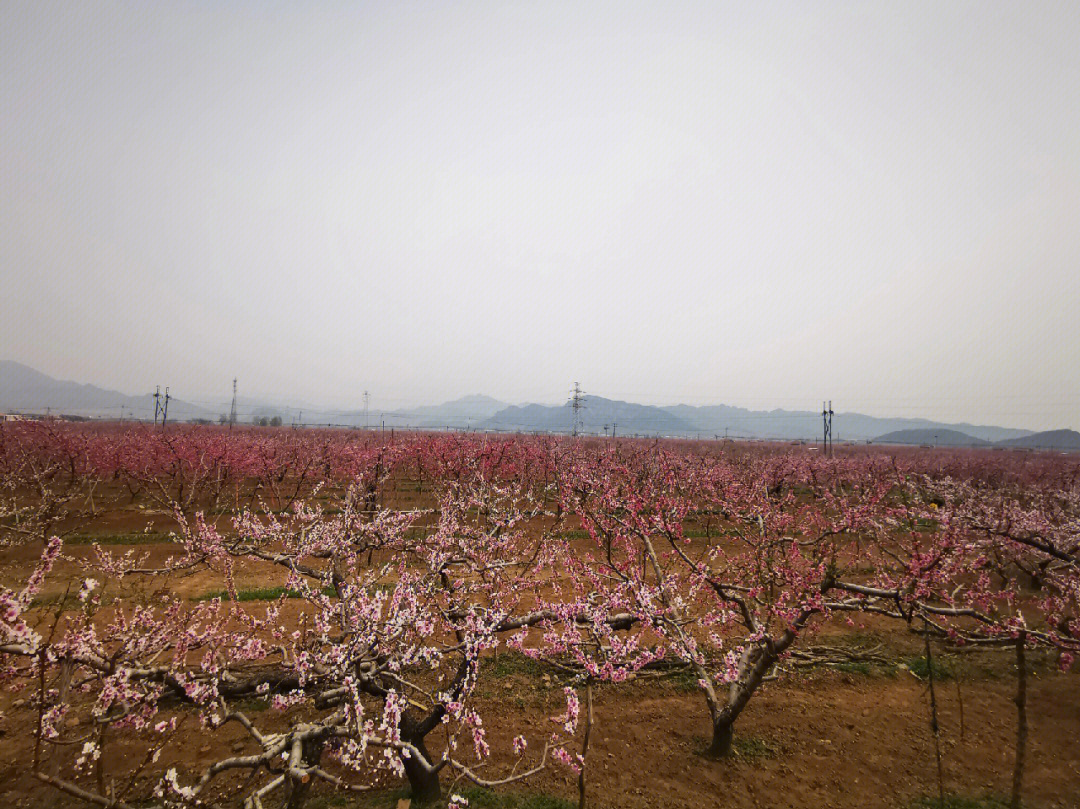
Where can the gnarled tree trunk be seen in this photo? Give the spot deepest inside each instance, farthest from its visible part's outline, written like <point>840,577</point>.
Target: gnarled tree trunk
<point>424,786</point>
<point>755,664</point>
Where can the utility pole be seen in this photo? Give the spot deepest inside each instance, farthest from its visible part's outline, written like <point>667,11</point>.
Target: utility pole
<point>165,409</point>
<point>157,403</point>
<point>367,400</point>
<point>232,410</point>
<point>577,403</point>
<point>826,419</point>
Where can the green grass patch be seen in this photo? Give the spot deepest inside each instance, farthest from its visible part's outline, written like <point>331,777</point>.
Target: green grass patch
<point>140,538</point>
<point>864,668</point>
<point>478,799</point>
<point>251,704</point>
<point>959,802</point>
<point>855,667</point>
<point>743,748</point>
<point>516,679</point>
<point>577,533</point>
<point>66,601</point>
<point>510,663</point>
<point>920,667</point>
<point>684,680</point>
<point>753,747</point>
<point>259,594</point>
<point>487,799</point>
<point>689,533</point>
<point>335,801</point>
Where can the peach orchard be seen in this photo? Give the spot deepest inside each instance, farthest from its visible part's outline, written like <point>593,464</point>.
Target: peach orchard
<point>600,558</point>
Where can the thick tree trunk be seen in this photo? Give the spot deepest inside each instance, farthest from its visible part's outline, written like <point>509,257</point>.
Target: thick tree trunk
<point>755,664</point>
<point>424,787</point>
<point>298,794</point>
<point>723,732</point>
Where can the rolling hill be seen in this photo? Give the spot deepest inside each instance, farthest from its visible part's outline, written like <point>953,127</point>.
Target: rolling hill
<point>1060,440</point>
<point>24,390</point>
<point>934,438</point>
<point>806,424</point>
<point>625,418</point>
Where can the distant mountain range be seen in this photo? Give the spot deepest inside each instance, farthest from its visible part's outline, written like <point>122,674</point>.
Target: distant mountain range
<point>937,438</point>
<point>25,390</point>
<point>1061,440</point>
<point>596,415</point>
<point>806,424</point>
<point>625,418</point>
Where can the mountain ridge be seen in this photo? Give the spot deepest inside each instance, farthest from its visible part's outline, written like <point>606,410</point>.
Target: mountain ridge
<point>935,438</point>
<point>1064,440</point>
<point>24,389</point>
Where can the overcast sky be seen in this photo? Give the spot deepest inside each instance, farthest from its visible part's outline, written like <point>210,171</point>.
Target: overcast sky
<point>763,204</point>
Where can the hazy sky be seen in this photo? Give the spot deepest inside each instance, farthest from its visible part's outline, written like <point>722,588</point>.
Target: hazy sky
<point>764,204</point>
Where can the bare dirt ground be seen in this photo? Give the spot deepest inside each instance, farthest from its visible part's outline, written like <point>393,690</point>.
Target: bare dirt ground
<point>818,738</point>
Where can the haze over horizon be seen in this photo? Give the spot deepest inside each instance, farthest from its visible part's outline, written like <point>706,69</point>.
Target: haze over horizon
<point>700,203</point>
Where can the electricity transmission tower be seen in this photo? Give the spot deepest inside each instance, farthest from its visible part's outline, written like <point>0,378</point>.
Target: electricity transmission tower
<point>232,410</point>
<point>826,419</point>
<point>161,405</point>
<point>577,404</point>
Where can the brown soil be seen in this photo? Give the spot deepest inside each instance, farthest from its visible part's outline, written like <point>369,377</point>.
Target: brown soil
<point>814,739</point>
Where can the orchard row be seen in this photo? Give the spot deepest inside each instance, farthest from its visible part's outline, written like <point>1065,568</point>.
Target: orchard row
<point>405,562</point>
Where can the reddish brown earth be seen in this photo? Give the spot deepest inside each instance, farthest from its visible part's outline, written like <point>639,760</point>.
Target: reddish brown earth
<point>814,739</point>
<point>823,740</point>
